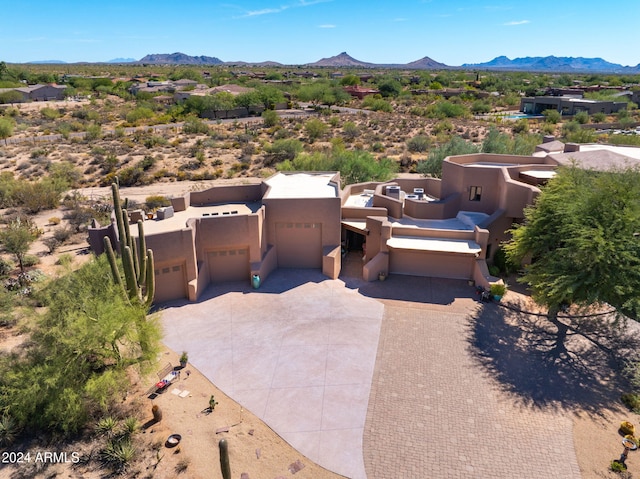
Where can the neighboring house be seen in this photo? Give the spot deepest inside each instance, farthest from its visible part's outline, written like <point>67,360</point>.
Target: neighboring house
<point>39,92</point>
<point>568,105</point>
<point>445,228</point>
<point>360,92</point>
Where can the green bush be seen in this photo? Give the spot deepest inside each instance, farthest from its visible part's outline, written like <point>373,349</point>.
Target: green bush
<point>419,143</point>
<point>76,360</point>
<point>195,126</point>
<point>632,401</point>
<point>281,150</point>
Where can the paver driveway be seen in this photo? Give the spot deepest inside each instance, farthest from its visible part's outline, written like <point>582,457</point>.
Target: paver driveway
<point>370,379</point>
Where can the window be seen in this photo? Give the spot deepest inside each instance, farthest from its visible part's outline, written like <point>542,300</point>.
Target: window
<point>475,192</point>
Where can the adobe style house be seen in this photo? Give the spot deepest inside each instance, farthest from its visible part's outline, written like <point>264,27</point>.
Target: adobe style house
<point>445,228</point>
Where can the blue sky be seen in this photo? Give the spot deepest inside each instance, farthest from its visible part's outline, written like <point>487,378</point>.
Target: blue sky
<point>304,31</point>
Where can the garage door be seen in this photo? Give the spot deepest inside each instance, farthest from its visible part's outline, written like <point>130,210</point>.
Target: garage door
<point>428,263</point>
<point>299,245</point>
<point>171,283</point>
<point>228,265</point>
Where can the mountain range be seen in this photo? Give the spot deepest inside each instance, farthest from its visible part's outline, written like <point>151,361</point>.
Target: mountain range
<point>343,60</point>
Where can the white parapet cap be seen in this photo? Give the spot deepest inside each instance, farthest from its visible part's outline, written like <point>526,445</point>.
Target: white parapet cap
<point>301,185</point>
<point>442,245</point>
<point>540,174</point>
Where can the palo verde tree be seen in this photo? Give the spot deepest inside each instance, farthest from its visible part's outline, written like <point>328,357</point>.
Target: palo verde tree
<point>581,243</point>
<point>75,363</point>
<point>16,238</point>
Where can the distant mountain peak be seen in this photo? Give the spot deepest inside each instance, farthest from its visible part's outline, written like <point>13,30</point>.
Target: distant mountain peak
<point>552,63</point>
<point>341,60</point>
<point>179,58</point>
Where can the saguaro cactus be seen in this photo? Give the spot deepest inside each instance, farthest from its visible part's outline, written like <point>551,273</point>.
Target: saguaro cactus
<point>225,468</point>
<point>137,263</point>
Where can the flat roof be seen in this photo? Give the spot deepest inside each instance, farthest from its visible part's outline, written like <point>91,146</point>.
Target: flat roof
<point>179,219</point>
<point>301,185</point>
<point>434,244</point>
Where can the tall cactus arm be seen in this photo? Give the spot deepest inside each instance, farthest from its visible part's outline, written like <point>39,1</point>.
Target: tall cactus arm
<point>142,255</point>
<point>112,262</point>
<point>117,209</point>
<point>129,273</point>
<point>150,279</point>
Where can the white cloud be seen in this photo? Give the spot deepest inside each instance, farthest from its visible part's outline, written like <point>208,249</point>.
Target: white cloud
<point>517,22</point>
<point>282,8</point>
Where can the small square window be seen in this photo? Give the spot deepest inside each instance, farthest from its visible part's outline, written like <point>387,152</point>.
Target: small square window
<point>475,193</point>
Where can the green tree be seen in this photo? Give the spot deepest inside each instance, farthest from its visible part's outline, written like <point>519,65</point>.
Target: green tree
<point>580,241</point>
<point>77,359</point>
<point>6,129</point>
<point>16,238</point>
<point>11,96</point>
<point>315,129</point>
<point>269,96</point>
<point>350,80</point>
<point>432,166</point>
<point>270,118</point>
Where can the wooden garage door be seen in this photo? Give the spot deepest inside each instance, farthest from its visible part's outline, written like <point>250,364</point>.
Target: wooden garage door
<point>299,245</point>
<point>229,265</point>
<point>171,283</point>
<point>429,263</point>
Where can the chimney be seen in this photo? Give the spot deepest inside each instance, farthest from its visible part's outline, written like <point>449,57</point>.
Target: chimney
<point>571,147</point>
<point>548,138</point>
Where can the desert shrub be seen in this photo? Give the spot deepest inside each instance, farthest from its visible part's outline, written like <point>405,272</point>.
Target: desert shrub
<point>419,143</point>
<point>37,196</point>
<point>376,104</point>
<point>350,130</point>
<point>5,267</point>
<point>443,126</point>
<point>284,149</point>
<point>315,129</point>
<point>62,234</point>
<point>49,113</point>
<point>65,259</point>
<point>377,147</point>
<point>30,260</point>
<point>94,132</point>
<point>479,107</point>
<point>432,166</point>
<point>194,126</point>
<point>552,116</point>
<point>139,114</point>
<point>355,166</point>
<point>270,118</point>
<point>51,243</point>
<point>581,117</point>
<point>520,126</point>
<point>598,117</point>
<point>156,201</point>
<point>9,430</point>
<point>154,140</point>
<point>632,401</point>
<point>447,109</point>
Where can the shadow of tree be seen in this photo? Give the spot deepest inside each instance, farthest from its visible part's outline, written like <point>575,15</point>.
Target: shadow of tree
<point>571,362</point>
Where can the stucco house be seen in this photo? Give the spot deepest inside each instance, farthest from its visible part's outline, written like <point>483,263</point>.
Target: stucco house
<point>568,105</point>
<point>421,226</point>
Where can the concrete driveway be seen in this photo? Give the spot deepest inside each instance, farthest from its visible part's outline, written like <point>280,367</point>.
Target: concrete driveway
<point>299,353</point>
<point>377,380</point>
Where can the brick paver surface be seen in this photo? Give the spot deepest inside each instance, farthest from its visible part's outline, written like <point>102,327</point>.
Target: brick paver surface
<point>434,412</point>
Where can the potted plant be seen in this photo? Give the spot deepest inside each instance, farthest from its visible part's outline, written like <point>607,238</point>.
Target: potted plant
<point>498,290</point>
<point>184,359</point>
<point>382,275</point>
